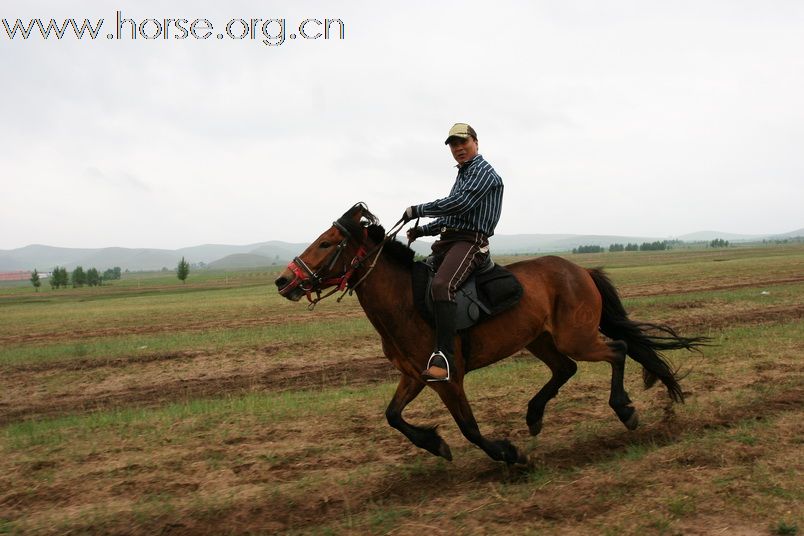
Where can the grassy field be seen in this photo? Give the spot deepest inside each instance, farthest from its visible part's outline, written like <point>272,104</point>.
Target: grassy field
<point>150,406</point>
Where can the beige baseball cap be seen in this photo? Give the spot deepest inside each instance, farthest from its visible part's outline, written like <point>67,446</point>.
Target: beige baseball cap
<point>461,130</point>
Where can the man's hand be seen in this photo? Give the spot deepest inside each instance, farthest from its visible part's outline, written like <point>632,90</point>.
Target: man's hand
<point>409,214</point>
<point>414,233</point>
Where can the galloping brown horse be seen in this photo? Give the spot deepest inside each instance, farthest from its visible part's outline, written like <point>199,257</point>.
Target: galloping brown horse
<point>559,319</point>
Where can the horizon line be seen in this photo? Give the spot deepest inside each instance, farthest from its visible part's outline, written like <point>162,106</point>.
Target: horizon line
<point>212,244</point>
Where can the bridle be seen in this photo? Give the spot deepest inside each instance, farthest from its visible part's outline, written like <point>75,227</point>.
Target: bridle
<point>316,281</point>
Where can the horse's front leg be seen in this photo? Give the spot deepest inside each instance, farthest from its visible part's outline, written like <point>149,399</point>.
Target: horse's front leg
<point>426,438</point>
<point>454,397</point>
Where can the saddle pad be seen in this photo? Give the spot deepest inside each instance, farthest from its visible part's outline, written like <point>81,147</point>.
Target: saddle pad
<point>496,289</point>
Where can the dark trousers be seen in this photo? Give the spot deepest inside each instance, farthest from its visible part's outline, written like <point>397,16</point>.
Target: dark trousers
<point>457,255</point>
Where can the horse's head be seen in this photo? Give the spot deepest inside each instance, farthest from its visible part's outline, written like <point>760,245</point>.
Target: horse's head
<point>332,258</point>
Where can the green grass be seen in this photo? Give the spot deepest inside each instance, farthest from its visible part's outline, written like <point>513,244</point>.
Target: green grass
<point>134,308</point>
<point>190,416</point>
<point>770,255</point>
<point>333,332</point>
<point>784,528</point>
<point>789,293</point>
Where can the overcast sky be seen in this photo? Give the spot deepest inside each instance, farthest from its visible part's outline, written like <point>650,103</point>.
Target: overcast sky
<point>651,118</point>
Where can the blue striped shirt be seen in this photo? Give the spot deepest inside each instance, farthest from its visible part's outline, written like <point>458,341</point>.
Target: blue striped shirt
<point>473,204</point>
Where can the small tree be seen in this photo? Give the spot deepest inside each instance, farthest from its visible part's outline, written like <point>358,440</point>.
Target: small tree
<point>64,279</point>
<point>58,278</point>
<point>79,277</point>
<point>35,280</point>
<point>111,273</point>
<point>93,277</point>
<point>183,270</point>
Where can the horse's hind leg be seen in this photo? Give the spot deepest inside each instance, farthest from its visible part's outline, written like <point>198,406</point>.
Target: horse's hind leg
<point>425,438</point>
<point>562,368</point>
<point>618,399</point>
<point>594,349</point>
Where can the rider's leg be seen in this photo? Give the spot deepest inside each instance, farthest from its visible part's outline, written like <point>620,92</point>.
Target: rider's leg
<point>441,364</point>
<point>459,260</point>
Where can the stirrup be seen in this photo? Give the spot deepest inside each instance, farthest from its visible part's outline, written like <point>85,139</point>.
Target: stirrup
<point>430,378</point>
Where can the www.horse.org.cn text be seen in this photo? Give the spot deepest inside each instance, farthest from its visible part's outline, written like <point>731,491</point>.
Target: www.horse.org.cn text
<point>269,31</point>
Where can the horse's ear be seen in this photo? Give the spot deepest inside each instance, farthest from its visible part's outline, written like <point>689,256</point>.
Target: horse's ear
<point>356,213</point>
<point>360,215</point>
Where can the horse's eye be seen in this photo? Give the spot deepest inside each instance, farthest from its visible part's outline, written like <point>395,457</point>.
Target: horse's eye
<point>325,245</point>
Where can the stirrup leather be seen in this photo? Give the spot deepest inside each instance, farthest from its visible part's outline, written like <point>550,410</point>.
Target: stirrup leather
<point>438,353</point>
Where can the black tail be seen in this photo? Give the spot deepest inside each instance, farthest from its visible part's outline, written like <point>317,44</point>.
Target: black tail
<point>643,347</point>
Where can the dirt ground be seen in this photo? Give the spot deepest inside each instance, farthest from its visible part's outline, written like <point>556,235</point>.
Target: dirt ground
<point>152,380</point>
<point>569,486</point>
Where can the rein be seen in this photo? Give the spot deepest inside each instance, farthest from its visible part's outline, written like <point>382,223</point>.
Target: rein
<point>315,282</point>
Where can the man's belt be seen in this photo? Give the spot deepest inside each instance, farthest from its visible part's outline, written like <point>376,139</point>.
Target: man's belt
<point>462,232</point>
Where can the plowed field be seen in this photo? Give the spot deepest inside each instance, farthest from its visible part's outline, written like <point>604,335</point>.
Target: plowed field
<point>225,409</point>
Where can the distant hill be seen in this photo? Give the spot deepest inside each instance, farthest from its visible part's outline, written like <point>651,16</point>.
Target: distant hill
<point>150,259</point>
<point>45,258</point>
<point>213,251</point>
<point>241,260</point>
<point>38,256</point>
<point>278,250</point>
<point>223,256</point>
<point>791,234</point>
<point>706,236</point>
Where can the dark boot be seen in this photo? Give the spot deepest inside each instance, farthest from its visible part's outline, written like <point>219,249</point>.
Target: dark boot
<point>440,366</point>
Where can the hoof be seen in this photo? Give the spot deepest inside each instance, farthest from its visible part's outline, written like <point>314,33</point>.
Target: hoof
<point>535,428</point>
<point>633,421</point>
<point>505,451</point>
<point>518,458</point>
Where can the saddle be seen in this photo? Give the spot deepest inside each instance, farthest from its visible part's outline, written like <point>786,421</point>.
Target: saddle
<point>490,290</point>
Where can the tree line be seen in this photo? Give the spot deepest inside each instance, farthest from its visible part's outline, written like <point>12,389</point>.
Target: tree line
<point>78,277</point>
<point>644,246</point>
<point>659,245</point>
<point>587,249</point>
<point>624,247</point>
<point>93,278</point>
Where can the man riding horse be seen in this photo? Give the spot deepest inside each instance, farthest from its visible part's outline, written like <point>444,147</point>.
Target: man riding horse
<point>465,219</point>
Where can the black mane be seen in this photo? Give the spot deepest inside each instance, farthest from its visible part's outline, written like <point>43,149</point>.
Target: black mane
<point>394,250</point>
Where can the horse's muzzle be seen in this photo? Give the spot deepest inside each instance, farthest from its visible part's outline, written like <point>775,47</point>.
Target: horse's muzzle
<point>286,288</point>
